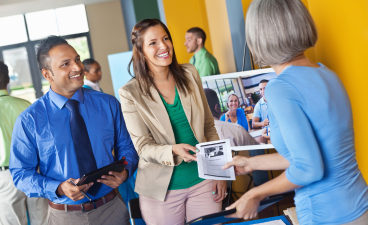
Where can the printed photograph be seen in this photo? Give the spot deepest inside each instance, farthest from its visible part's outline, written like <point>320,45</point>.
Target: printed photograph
<point>214,151</point>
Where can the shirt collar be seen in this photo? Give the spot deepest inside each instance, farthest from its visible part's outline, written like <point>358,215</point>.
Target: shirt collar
<point>91,84</point>
<point>200,53</point>
<point>262,101</point>
<point>4,92</point>
<point>60,100</point>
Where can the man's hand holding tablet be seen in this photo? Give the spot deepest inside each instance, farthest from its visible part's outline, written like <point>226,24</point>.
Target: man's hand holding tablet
<point>114,179</point>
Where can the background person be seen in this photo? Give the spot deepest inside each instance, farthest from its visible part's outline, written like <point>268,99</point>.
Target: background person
<point>234,113</point>
<point>260,116</point>
<point>65,134</point>
<point>167,115</point>
<point>14,204</point>
<point>92,71</point>
<point>236,133</point>
<point>205,63</point>
<point>307,103</point>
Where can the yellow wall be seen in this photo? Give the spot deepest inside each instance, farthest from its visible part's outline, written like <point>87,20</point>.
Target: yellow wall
<point>107,31</point>
<point>343,46</point>
<point>182,15</point>
<point>219,28</point>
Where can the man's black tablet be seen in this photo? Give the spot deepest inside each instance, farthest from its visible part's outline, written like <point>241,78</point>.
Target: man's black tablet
<point>93,176</point>
<point>220,217</point>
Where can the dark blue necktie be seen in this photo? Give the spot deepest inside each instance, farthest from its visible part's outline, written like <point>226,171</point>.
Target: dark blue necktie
<point>82,145</point>
<point>193,60</point>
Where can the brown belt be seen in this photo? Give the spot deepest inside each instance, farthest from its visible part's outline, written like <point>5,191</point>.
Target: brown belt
<point>85,206</point>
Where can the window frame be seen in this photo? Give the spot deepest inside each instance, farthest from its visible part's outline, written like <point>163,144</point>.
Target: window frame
<point>32,59</point>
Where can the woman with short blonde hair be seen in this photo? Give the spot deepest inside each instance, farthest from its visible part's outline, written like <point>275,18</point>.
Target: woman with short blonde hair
<point>311,122</point>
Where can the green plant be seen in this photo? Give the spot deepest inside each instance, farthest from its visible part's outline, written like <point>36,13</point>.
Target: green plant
<point>255,98</point>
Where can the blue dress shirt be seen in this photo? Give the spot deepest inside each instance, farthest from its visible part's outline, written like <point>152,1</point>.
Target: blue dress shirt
<point>42,138</point>
<point>261,110</point>
<point>312,127</point>
<point>241,119</point>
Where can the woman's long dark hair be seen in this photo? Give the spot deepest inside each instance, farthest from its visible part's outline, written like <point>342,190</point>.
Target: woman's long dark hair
<point>140,66</point>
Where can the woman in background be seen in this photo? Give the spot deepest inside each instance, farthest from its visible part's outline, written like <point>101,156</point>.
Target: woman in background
<point>167,114</point>
<point>311,122</point>
<point>234,113</point>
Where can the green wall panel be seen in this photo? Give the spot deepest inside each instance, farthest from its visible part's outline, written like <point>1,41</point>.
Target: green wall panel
<point>146,9</point>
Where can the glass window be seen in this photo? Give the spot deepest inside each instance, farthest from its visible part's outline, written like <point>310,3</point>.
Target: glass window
<point>72,20</point>
<point>80,44</point>
<point>13,30</point>
<point>20,74</point>
<point>41,24</point>
<point>238,91</point>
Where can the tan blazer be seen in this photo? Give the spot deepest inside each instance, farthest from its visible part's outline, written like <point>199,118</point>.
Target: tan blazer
<point>150,129</point>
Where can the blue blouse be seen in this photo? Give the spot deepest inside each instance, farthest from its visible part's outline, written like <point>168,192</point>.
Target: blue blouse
<point>242,120</point>
<point>312,127</point>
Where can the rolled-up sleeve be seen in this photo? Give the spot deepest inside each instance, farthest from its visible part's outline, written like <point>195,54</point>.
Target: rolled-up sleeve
<point>123,143</point>
<point>287,106</point>
<point>24,162</point>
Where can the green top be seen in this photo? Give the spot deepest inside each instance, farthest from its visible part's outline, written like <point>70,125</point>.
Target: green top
<point>10,108</point>
<point>205,63</point>
<point>184,175</point>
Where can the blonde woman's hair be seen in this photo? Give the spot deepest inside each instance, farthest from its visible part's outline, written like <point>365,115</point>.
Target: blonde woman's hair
<point>232,94</point>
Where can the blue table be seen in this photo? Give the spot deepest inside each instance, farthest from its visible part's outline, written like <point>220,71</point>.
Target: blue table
<point>264,220</point>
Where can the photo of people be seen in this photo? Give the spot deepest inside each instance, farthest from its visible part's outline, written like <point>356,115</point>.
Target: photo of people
<point>213,151</point>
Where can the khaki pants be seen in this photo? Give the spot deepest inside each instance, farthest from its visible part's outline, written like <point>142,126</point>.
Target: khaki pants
<point>14,204</point>
<point>114,212</point>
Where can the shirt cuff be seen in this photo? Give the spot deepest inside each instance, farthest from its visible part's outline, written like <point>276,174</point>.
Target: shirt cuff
<point>130,170</point>
<point>51,188</point>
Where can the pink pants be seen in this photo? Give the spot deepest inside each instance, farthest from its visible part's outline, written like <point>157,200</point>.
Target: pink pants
<point>180,205</point>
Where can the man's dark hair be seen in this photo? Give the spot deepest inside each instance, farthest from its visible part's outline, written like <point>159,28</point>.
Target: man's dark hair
<point>263,81</point>
<point>43,49</point>
<point>4,75</point>
<point>199,33</point>
<point>212,100</point>
<point>87,64</point>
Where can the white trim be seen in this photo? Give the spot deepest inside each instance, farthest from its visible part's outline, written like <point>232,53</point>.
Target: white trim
<point>252,147</point>
<point>242,74</point>
<point>10,7</point>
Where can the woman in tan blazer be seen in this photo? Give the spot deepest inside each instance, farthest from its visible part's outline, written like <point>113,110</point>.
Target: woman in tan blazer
<point>166,113</point>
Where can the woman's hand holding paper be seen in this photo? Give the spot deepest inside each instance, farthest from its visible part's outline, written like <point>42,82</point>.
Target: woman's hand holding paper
<point>182,150</point>
<point>241,165</point>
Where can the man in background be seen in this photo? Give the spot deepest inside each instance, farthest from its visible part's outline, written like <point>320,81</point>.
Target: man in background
<point>92,71</point>
<point>260,116</point>
<point>236,133</point>
<point>14,204</point>
<point>69,132</point>
<point>204,61</point>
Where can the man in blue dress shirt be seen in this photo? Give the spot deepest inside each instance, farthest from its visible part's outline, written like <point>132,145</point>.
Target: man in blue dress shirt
<point>260,116</point>
<point>66,133</point>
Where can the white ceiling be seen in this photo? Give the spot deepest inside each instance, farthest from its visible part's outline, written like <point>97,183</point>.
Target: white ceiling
<point>14,7</point>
